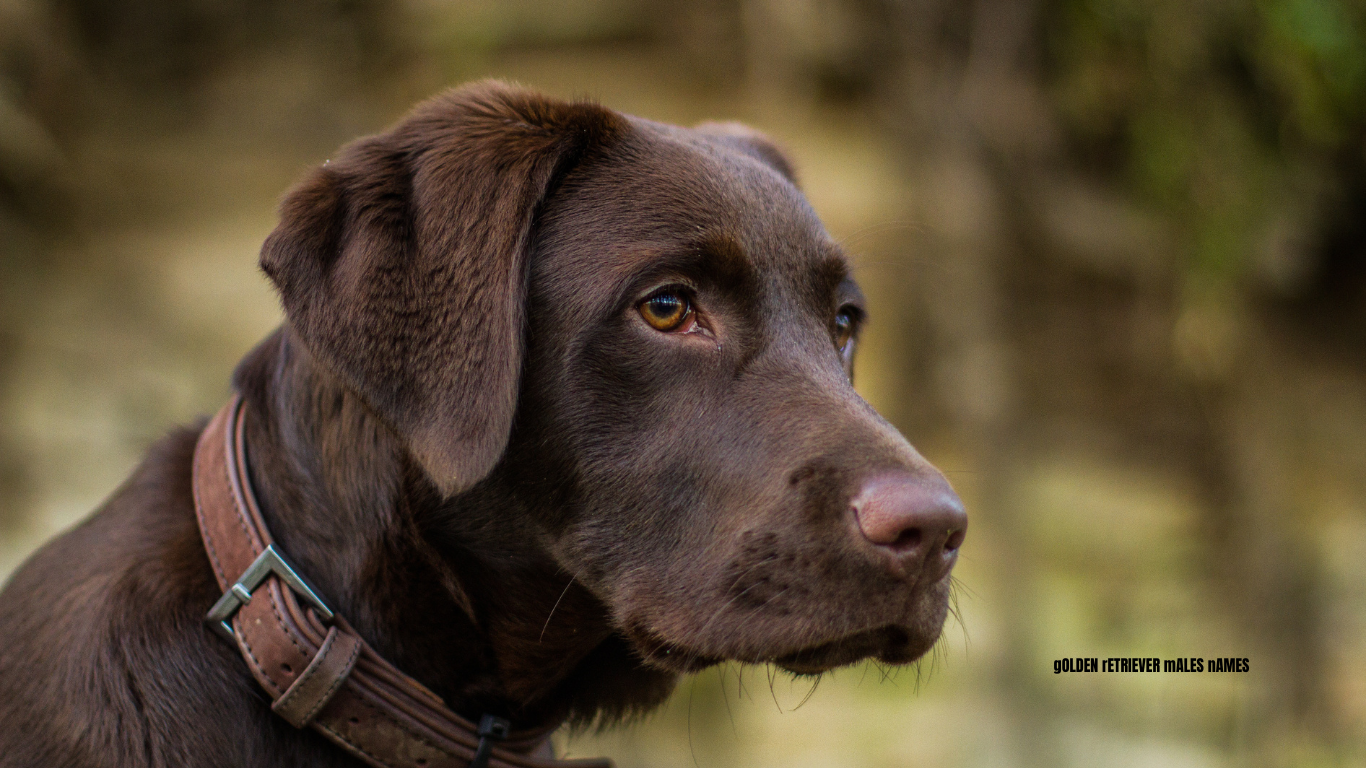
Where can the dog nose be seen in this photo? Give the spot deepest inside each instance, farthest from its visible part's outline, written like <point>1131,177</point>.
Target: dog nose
<point>915,519</point>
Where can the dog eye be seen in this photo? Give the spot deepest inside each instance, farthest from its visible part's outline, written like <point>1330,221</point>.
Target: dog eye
<point>844,328</point>
<point>666,310</point>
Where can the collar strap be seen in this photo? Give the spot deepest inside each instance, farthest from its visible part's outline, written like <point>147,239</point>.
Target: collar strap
<point>317,670</point>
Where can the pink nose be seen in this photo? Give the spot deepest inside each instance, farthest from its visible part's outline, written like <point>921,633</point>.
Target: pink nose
<point>916,520</point>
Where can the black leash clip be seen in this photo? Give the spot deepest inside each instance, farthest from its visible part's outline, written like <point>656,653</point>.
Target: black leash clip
<point>491,729</point>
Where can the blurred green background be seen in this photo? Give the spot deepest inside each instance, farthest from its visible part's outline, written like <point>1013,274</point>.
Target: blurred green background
<point>1115,252</point>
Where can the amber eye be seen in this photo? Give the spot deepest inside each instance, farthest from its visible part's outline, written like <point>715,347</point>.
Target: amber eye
<point>844,329</point>
<point>666,311</point>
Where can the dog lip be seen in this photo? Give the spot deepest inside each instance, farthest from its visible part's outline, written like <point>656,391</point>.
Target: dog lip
<point>890,643</point>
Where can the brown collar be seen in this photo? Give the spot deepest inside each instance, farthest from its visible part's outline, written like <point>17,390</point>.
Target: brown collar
<point>314,665</point>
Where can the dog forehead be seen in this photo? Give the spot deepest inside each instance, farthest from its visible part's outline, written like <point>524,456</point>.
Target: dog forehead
<point>665,189</point>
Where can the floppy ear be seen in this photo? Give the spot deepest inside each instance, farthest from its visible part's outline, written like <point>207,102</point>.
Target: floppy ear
<point>402,263</point>
<point>741,137</point>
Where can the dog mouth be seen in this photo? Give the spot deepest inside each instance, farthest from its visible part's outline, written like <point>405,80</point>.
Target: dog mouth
<point>889,644</point>
<point>804,611</point>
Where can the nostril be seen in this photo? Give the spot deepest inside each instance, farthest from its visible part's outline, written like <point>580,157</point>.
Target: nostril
<point>955,540</point>
<point>909,539</point>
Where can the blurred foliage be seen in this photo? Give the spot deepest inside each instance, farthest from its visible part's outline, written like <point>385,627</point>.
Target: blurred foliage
<point>1243,122</point>
<point>162,44</point>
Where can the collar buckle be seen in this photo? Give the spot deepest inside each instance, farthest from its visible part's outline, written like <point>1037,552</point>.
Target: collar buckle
<point>269,562</point>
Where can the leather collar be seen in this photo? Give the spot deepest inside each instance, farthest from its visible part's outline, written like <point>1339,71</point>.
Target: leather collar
<point>318,671</point>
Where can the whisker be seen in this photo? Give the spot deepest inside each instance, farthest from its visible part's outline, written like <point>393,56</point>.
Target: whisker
<point>722,677</point>
<point>692,688</point>
<point>556,605</point>
<point>815,683</point>
<point>772,681</point>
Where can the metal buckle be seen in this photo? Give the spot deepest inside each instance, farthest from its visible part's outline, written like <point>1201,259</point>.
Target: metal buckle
<point>239,594</point>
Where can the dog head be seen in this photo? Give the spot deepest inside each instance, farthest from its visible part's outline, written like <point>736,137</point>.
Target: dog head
<point>644,337</point>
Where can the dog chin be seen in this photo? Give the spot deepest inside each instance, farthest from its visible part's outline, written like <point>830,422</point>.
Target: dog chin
<point>889,644</point>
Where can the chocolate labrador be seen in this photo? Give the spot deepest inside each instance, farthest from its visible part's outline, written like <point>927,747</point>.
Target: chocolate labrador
<point>561,410</point>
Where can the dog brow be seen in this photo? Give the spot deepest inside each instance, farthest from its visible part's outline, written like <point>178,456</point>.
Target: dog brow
<point>723,258</point>
<point>830,273</point>
<point>716,259</point>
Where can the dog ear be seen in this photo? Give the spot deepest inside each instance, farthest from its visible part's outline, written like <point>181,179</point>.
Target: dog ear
<point>741,137</point>
<point>402,263</point>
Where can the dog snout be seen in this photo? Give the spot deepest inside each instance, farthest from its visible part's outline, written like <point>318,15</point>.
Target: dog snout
<point>915,521</point>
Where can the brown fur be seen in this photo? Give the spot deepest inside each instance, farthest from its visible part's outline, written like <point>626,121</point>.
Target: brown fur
<point>514,489</point>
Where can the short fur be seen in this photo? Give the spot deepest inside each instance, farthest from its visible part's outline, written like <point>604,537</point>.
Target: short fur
<point>465,435</point>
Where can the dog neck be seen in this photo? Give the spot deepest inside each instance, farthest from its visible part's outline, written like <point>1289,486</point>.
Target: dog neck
<point>456,592</point>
